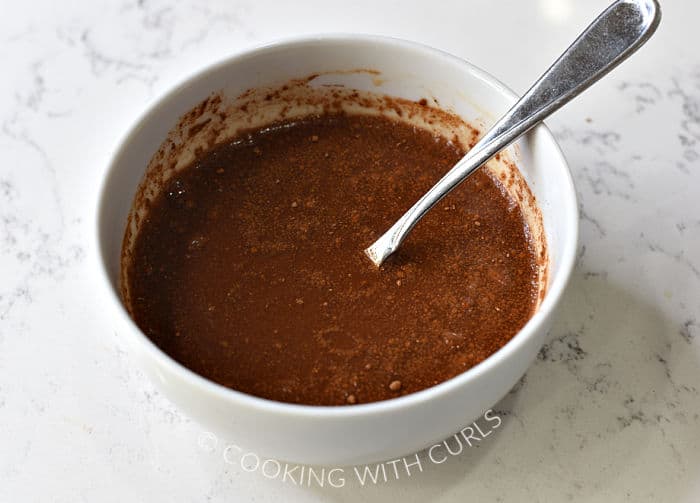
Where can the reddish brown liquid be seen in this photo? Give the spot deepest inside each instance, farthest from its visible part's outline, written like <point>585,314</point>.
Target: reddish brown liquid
<point>250,267</point>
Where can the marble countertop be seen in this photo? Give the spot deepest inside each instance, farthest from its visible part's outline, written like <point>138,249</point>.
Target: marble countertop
<point>609,411</point>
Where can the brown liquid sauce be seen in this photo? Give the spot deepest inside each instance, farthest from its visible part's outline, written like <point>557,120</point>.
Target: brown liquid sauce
<point>249,267</point>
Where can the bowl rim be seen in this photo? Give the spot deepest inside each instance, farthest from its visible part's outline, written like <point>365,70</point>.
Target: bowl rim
<point>551,298</point>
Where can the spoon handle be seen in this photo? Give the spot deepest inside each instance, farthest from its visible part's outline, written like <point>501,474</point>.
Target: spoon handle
<point>617,33</point>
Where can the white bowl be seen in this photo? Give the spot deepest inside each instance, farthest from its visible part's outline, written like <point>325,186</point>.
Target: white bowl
<point>368,432</point>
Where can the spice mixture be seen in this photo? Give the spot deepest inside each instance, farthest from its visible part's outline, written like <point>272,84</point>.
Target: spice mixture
<point>249,267</point>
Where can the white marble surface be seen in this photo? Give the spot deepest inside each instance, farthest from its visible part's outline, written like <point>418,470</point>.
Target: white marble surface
<point>609,412</point>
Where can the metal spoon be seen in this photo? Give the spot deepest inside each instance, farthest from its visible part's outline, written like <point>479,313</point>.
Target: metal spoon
<point>618,32</point>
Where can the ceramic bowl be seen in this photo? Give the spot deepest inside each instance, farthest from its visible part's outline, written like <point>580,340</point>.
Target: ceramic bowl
<point>344,435</point>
